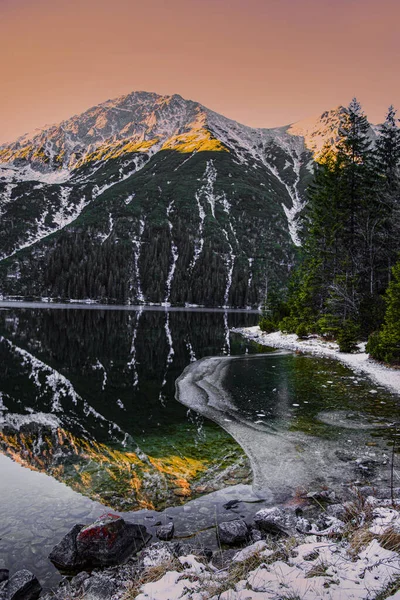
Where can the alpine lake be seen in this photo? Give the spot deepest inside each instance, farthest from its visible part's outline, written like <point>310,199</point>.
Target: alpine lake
<point>91,422</point>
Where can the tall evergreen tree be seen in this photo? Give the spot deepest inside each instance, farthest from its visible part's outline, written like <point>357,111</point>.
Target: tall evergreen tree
<point>388,160</point>
<point>349,219</point>
<point>355,157</point>
<point>388,149</point>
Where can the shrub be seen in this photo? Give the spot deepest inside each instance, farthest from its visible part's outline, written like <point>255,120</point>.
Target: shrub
<point>328,326</point>
<point>382,347</point>
<point>302,331</point>
<point>374,346</point>
<point>347,337</point>
<point>385,345</point>
<point>267,325</point>
<point>288,325</point>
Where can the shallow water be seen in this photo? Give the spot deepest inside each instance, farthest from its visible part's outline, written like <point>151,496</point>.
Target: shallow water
<point>304,422</point>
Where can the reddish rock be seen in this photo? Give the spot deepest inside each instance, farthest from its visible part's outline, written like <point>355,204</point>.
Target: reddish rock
<point>108,541</point>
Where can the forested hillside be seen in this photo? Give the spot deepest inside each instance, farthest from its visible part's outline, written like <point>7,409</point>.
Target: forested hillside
<point>347,283</point>
<point>155,199</point>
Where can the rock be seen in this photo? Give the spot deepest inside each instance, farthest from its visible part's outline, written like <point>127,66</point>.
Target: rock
<point>157,554</point>
<point>303,525</point>
<point>184,549</point>
<point>255,535</point>
<point>327,526</point>
<point>109,541</point>
<point>99,587</point>
<point>166,532</point>
<point>233,532</point>
<point>322,522</point>
<point>4,575</point>
<point>343,456</point>
<point>380,493</point>
<point>23,585</point>
<point>78,580</point>
<point>323,496</point>
<point>252,550</point>
<point>3,590</point>
<point>271,520</point>
<point>336,510</point>
<point>367,466</point>
<point>65,555</point>
<point>223,559</point>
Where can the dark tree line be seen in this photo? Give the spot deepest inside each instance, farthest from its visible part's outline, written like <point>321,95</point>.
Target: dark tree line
<point>352,240</point>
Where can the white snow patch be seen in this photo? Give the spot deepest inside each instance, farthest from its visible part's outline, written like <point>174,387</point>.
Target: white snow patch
<point>104,236</point>
<point>137,245</point>
<point>16,421</point>
<point>175,256</point>
<point>170,356</point>
<point>63,217</point>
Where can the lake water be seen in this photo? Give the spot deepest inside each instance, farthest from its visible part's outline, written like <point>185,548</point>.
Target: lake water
<point>87,397</point>
<point>89,422</point>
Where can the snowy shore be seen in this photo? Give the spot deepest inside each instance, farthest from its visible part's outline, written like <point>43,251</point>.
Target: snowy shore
<point>347,551</point>
<point>358,362</point>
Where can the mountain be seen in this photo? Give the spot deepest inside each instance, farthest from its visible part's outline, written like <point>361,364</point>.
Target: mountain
<point>155,199</point>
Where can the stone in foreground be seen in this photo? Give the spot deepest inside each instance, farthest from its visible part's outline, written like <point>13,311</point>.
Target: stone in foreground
<point>99,587</point>
<point>233,532</point>
<point>65,555</point>
<point>106,542</point>
<point>23,585</point>
<point>271,520</point>
<point>166,532</point>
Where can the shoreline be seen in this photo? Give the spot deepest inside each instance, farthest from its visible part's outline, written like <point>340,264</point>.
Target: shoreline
<point>94,305</point>
<point>359,362</point>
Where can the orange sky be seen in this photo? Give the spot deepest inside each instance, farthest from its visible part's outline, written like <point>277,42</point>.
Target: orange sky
<point>261,62</point>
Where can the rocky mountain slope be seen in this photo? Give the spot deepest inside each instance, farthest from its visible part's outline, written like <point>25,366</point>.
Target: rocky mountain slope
<point>154,199</point>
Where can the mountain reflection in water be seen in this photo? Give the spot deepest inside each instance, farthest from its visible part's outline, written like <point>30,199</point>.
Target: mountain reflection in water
<point>87,396</point>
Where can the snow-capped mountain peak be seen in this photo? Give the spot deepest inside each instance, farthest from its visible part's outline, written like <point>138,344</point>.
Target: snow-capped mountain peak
<point>164,199</point>
<point>319,129</point>
<point>145,121</point>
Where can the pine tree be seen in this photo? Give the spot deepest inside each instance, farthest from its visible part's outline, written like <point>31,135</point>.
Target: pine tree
<point>388,160</point>
<point>339,282</point>
<point>388,150</point>
<point>355,157</point>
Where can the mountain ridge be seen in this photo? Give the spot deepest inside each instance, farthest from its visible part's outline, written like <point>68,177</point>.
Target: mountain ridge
<point>190,115</point>
<point>164,199</point>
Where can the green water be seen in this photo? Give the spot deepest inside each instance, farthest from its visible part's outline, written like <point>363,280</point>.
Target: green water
<point>316,396</point>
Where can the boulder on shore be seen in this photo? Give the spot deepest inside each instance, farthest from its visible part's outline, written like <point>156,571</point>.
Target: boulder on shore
<point>106,542</point>
<point>23,585</point>
<point>65,555</point>
<point>165,532</point>
<point>233,532</point>
<point>271,520</point>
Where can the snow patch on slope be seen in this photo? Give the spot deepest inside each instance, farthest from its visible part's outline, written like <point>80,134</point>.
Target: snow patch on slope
<point>137,245</point>
<point>175,256</point>
<point>66,214</point>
